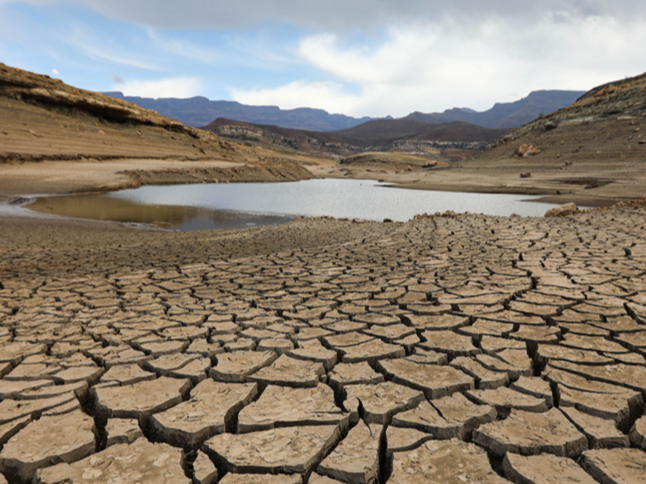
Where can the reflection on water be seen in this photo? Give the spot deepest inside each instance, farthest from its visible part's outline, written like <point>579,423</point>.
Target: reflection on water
<point>238,205</point>
<point>106,207</point>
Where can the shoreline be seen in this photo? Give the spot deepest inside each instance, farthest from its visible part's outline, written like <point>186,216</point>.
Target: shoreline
<point>34,180</point>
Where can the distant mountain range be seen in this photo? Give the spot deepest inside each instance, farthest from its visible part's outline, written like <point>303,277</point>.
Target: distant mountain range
<point>199,111</point>
<point>506,115</point>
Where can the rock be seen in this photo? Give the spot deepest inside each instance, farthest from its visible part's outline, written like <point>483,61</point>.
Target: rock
<point>446,418</point>
<point>356,458</point>
<point>140,461</point>
<point>204,471</point>
<point>615,466</point>
<point>544,469</point>
<point>562,211</point>
<point>284,406</point>
<point>601,433</point>
<point>525,150</point>
<point>504,399</point>
<point>637,433</point>
<point>381,401</point>
<point>122,431</point>
<point>530,433</point>
<point>210,410</point>
<point>285,450</point>
<point>434,380</point>
<point>237,366</point>
<point>140,400</point>
<point>290,372</point>
<point>64,438</point>
<point>446,462</point>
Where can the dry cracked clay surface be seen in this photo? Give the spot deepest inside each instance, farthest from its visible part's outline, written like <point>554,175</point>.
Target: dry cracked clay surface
<point>450,349</point>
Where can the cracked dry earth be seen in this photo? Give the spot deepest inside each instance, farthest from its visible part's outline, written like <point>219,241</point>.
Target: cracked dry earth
<point>464,349</point>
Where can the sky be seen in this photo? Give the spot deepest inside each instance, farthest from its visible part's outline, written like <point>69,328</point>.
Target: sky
<point>355,57</point>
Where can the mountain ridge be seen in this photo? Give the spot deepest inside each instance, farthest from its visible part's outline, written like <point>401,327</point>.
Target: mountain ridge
<point>506,115</point>
<point>200,111</point>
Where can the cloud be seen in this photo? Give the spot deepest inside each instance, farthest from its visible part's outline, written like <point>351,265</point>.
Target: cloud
<point>366,57</point>
<point>179,87</point>
<point>96,52</point>
<point>323,95</point>
<point>352,15</point>
<point>431,69</point>
<point>55,72</point>
<point>117,79</point>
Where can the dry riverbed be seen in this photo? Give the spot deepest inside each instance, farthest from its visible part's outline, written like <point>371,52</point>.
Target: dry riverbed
<point>448,349</point>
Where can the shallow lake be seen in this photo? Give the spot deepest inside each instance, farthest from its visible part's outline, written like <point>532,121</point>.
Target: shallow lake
<point>238,205</point>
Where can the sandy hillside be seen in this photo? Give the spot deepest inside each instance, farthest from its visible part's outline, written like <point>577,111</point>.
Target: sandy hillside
<point>112,143</point>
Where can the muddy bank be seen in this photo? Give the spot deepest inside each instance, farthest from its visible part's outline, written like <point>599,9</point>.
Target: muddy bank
<point>589,185</point>
<point>57,177</point>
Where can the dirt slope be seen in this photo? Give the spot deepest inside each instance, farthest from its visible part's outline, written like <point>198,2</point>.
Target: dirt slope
<point>114,144</point>
<point>594,149</point>
<point>43,118</point>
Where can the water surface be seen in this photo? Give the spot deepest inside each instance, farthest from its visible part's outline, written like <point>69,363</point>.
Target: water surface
<point>238,205</point>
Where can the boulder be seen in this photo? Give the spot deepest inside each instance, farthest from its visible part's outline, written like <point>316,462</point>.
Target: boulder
<point>562,211</point>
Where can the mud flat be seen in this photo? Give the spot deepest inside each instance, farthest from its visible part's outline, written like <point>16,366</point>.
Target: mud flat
<point>336,351</point>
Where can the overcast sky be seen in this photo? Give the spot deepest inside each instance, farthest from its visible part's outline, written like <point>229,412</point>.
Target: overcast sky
<point>357,57</point>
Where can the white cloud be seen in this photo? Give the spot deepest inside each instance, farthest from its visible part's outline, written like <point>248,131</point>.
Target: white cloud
<point>179,87</point>
<point>55,72</point>
<point>443,65</point>
<point>323,95</point>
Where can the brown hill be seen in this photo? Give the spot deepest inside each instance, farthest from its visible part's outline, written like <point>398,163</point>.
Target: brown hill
<point>43,118</point>
<point>592,151</point>
<point>115,144</point>
<point>379,135</point>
